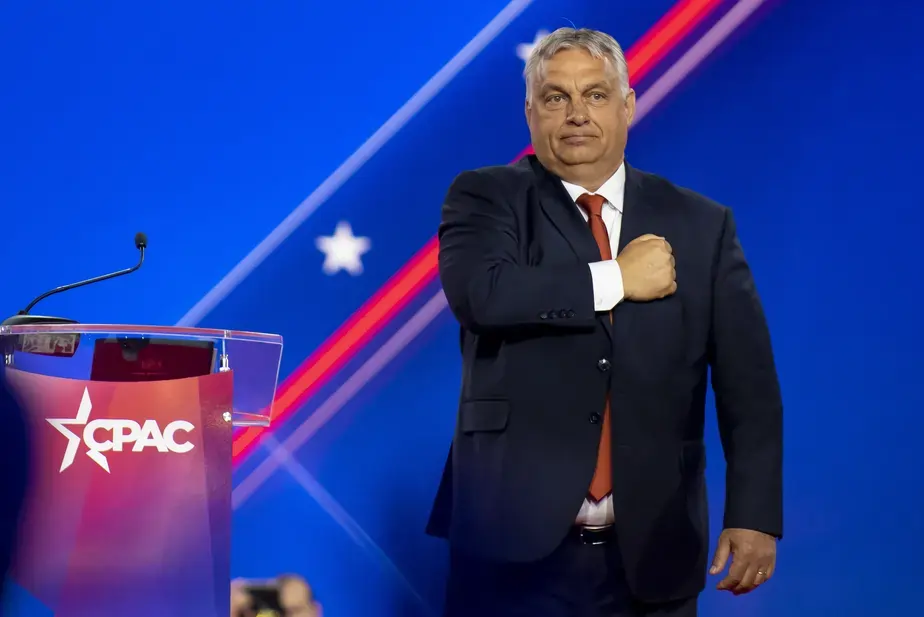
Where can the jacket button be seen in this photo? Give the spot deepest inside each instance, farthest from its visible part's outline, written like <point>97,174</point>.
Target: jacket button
<point>563,313</point>
<point>543,315</point>
<point>603,364</point>
<point>570,313</point>
<point>594,418</point>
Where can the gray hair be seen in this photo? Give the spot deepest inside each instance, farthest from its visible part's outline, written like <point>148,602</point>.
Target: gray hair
<point>598,44</point>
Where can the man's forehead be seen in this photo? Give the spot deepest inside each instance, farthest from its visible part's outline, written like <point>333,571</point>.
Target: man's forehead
<point>571,66</point>
<point>578,79</point>
<point>293,587</point>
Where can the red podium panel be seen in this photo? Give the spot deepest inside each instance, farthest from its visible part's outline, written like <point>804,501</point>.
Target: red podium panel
<point>129,510</point>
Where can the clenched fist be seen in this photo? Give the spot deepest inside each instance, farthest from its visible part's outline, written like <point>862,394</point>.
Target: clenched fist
<point>647,265</point>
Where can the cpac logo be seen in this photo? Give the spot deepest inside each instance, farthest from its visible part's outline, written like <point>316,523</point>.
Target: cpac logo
<point>118,433</point>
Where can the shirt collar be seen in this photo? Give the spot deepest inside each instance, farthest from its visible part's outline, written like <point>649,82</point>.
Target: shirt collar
<point>612,190</point>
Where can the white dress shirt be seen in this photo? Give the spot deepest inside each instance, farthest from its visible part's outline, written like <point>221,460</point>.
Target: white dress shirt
<point>608,292</point>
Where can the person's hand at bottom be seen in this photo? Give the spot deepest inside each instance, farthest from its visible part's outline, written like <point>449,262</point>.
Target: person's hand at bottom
<point>753,559</point>
<point>241,602</point>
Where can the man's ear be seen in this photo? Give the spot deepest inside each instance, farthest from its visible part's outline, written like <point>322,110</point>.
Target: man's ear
<point>630,107</point>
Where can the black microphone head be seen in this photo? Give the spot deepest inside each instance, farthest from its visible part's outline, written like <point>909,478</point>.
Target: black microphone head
<point>141,240</point>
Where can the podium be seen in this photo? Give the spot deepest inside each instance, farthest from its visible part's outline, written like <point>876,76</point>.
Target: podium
<point>129,509</point>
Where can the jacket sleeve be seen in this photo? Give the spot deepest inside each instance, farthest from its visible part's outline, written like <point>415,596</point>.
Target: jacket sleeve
<point>747,393</point>
<point>486,282</point>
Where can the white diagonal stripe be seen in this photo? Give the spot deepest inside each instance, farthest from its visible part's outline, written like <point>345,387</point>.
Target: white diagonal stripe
<point>340,516</point>
<point>329,408</point>
<point>355,161</point>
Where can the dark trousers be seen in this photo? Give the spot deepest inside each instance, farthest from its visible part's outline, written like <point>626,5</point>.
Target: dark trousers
<point>576,580</point>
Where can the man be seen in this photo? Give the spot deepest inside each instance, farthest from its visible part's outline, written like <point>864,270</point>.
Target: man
<point>575,484</point>
<point>293,596</point>
<point>14,457</point>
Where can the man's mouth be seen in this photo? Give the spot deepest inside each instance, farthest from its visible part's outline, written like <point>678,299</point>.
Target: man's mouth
<point>576,140</point>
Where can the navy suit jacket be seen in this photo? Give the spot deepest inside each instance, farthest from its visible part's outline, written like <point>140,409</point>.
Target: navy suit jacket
<point>538,364</point>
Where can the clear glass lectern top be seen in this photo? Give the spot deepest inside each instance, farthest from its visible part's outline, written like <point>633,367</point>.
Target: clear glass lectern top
<point>67,351</point>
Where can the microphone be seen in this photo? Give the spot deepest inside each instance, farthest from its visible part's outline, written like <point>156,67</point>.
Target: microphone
<point>23,318</point>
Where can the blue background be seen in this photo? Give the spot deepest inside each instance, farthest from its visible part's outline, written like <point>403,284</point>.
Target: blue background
<point>204,125</point>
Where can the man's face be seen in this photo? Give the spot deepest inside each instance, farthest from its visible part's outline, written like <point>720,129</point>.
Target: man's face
<point>578,117</point>
<point>295,599</point>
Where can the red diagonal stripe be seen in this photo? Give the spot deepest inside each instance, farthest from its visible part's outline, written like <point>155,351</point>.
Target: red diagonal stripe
<point>347,340</point>
<point>400,289</point>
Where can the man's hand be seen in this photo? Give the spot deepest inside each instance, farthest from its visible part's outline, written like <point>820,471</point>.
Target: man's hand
<point>647,266</point>
<point>753,559</point>
<point>241,602</point>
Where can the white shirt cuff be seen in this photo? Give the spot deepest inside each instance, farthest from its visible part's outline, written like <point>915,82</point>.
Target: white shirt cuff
<point>607,282</point>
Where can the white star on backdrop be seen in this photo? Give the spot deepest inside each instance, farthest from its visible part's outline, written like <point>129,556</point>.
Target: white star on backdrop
<point>343,250</point>
<point>73,439</point>
<point>524,49</point>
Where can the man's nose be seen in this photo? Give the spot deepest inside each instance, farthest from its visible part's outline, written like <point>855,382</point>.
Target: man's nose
<point>577,115</point>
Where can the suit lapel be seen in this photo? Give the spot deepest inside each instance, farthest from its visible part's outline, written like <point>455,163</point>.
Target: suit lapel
<point>636,219</point>
<point>637,216</point>
<point>563,213</point>
<point>559,208</point>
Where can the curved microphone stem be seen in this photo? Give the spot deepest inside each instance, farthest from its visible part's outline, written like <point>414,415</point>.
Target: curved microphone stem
<point>104,277</point>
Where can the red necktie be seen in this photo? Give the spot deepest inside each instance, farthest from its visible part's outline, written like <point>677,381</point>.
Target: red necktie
<point>602,483</point>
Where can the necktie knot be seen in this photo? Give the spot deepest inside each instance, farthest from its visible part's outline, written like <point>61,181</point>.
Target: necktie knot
<point>592,204</point>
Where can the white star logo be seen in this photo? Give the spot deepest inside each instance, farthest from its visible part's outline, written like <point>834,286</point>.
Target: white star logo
<point>524,49</point>
<point>343,250</point>
<point>73,440</point>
